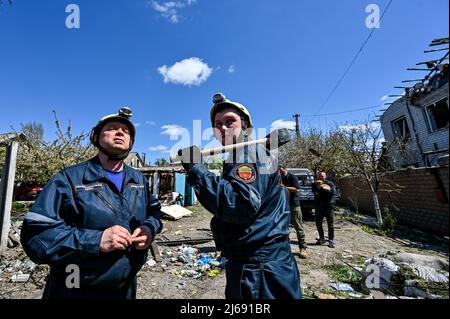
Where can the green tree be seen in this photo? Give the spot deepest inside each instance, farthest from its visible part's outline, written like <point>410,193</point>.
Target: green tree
<point>161,162</point>
<point>38,162</point>
<point>214,162</point>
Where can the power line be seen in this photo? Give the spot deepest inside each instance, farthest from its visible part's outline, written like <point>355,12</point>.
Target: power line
<point>353,61</point>
<point>343,112</point>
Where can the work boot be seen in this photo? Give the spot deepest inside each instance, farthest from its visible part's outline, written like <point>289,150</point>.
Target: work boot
<point>303,253</point>
<point>331,244</point>
<point>320,241</point>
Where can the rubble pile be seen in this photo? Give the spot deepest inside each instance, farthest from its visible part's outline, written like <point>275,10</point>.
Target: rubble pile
<point>413,275</point>
<point>16,269</point>
<point>187,261</point>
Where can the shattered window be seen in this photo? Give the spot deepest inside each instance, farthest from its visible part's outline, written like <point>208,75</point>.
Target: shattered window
<point>437,115</point>
<point>401,129</point>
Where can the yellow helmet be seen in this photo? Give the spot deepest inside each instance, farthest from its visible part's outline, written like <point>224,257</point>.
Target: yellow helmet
<point>221,101</point>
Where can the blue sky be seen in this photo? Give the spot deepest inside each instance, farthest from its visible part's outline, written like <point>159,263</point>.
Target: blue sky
<point>165,59</point>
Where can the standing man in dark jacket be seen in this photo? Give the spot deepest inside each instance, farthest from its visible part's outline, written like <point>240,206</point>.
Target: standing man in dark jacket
<point>250,220</point>
<point>324,190</point>
<point>290,181</point>
<point>94,222</point>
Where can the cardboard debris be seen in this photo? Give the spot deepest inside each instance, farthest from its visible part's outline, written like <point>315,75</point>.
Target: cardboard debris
<point>175,212</point>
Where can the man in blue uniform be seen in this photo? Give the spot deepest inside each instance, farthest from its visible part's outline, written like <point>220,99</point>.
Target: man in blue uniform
<point>251,211</point>
<point>94,222</point>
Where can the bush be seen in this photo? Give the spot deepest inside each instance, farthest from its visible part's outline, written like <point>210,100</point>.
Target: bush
<point>390,221</point>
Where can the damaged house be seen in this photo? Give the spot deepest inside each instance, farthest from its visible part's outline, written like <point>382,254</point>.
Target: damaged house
<point>417,123</point>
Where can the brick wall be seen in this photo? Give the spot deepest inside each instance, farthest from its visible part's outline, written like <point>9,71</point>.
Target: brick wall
<point>420,194</point>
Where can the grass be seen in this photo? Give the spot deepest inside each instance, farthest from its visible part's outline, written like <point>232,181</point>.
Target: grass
<point>342,273</point>
<point>196,209</point>
<point>375,230</point>
<point>20,207</point>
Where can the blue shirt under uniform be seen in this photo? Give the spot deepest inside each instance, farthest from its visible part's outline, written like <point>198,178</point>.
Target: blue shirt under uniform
<point>116,178</point>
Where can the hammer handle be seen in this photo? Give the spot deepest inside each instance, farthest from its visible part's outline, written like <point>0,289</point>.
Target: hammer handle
<point>223,149</point>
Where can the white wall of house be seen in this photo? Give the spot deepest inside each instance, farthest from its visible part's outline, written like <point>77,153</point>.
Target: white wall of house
<point>428,138</point>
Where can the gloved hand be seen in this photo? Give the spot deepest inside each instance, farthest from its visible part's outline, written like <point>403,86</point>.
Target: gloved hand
<point>189,157</point>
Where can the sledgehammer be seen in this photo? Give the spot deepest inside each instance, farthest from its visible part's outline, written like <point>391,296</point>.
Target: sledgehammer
<point>274,140</point>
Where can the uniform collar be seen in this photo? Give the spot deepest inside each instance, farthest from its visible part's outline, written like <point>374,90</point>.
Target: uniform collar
<point>94,172</point>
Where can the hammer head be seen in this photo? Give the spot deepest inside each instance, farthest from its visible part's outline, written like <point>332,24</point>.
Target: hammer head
<point>277,138</point>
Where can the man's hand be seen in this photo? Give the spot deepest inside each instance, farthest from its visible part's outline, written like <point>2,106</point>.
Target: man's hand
<point>142,237</point>
<point>115,238</point>
<point>189,157</point>
<point>292,189</point>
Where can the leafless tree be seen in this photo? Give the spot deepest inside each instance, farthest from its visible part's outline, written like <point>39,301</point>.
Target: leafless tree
<point>363,144</point>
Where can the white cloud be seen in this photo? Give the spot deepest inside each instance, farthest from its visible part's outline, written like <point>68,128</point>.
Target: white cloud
<point>282,124</point>
<point>137,124</point>
<point>171,9</point>
<point>231,69</point>
<point>172,130</point>
<point>192,71</point>
<point>151,123</point>
<point>158,148</point>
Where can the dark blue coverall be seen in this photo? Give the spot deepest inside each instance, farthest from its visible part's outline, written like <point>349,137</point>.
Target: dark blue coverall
<point>250,226</point>
<point>65,226</point>
<point>324,202</point>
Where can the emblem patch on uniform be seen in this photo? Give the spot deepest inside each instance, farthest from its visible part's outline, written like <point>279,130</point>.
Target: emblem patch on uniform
<point>245,173</point>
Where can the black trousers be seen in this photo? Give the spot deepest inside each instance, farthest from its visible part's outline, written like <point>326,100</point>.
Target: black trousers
<point>327,212</point>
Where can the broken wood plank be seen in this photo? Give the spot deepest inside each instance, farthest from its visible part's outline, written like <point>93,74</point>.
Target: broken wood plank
<point>184,241</point>
<point>155,251</point>
<point>175,212</point>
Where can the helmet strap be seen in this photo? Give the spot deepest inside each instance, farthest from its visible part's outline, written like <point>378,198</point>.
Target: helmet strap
<point>111,157</point>
<point>116,157</point>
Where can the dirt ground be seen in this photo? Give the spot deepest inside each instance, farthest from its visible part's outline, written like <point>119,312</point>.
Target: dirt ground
<point>163,280</point>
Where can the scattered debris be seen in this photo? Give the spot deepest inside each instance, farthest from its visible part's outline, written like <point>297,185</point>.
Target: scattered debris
<point>151,262</point>
<point>175,212</point>
<point>347,254</point>
<point>164,240</point>
<point>429,268</point>
<point>355,295</point>
<point>188,262</point>
<point>19,277</point>
<point>342,287</point>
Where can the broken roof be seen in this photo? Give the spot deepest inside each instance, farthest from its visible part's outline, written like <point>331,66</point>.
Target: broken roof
<point>12,137</point>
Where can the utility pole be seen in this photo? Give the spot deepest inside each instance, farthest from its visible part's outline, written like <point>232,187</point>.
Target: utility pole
<point>297,125</point>
<point>6,192</point>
